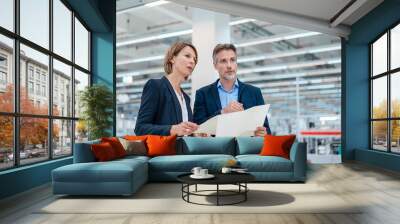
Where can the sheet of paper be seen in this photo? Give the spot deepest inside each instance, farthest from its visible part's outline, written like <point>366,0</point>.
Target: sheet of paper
<point>208,127</point>
<point>242,123</point>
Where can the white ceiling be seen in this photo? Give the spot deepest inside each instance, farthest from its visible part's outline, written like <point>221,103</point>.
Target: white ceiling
<point>313,15</point>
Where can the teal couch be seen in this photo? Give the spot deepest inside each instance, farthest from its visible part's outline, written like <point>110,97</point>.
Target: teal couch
<point>125,176</point>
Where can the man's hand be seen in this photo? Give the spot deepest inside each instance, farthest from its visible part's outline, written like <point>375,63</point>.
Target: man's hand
<point>184,128</point>
<point>260,131</point>
<point>201,135</point>
<point>233,106</point>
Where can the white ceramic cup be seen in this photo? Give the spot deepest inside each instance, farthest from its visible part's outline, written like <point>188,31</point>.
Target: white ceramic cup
<point>203,172</point>
<point>196,171</point>
<point>226,170</point>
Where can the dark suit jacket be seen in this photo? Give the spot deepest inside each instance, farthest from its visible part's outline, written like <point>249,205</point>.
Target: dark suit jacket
<point>160,108</point>
<point>207,103</point>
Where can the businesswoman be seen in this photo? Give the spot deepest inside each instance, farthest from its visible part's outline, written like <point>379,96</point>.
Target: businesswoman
<point>165,107</point>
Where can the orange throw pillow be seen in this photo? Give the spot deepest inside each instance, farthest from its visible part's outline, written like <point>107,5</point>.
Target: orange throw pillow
<point>116,145</point>
<point>277,145</point>
<point>103,152</point>
<point>136,137</point>
<point>161,145</point>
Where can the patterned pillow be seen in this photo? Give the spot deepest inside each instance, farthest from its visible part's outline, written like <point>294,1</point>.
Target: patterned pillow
<point>134,147</point>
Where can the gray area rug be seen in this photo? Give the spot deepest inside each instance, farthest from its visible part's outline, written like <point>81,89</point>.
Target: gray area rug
<point>166,198</point>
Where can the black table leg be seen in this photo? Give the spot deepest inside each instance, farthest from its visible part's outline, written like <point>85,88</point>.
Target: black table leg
<point>217,194</point>
<point>245,193</point>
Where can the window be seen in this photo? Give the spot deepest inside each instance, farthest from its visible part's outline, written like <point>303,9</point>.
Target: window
<point>37,74</point>
<point>30,87</point>
<point>81,45</point>
<point>385,94</point>
<point>81,81</point>
<point>43,77</point>
<point>3,61</point>
<point>53,125</point>
<point>62,74</point>
<point>30,72</point>
<point>35,22</point>
<point>3,71</point>
<point>3,78</point>
<point>38,89</point>
<point>62,29</point>
<point>6,73</point>
<point>7,14</point>
<point>43,90</point>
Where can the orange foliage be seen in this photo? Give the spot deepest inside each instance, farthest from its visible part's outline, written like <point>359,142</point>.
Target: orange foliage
<point>33,130</point>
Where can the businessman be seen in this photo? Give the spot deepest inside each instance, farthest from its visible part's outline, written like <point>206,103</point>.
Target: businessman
<point>227,94</point>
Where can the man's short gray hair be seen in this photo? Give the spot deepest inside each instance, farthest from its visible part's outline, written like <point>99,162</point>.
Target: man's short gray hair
<point>221,47</point>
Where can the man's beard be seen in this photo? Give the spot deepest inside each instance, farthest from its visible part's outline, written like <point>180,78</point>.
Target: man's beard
<point>230,76</point>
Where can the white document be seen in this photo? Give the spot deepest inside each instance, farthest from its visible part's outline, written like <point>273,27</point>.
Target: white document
<point>242,123</point>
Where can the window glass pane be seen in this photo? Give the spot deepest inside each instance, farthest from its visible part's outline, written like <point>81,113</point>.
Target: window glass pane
<point>62,89</point>
<point>81,45</point>
<point>379,100</point>
<point>7,14</point>
<point>6,75</point>
<point>35,21</point>
<point>62,29</point>
<point>379,135</point>
<point>81,131</point>
<point>395,138</point>
<point>33,139</point>
<point>62,138</point>
<point>81,81</point>
<point>34,97</point>
<point>395,94</point>
<point>395,47</point>
<point>6,142</point>
<point>379,55</point>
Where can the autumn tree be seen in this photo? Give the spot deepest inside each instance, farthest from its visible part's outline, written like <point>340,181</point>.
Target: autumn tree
<point>33,131</point>
<point>380,127</point>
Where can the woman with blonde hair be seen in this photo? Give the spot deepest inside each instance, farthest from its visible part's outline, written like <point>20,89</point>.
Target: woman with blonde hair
<point>165,107</point>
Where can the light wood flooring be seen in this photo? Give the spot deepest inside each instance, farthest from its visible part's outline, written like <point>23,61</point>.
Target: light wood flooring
<point>377,188</point>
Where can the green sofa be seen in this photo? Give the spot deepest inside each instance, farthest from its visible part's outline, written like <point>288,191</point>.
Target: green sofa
<point>125,176</point>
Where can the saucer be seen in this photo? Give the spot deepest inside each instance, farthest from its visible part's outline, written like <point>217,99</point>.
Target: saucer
<point>208,176</point>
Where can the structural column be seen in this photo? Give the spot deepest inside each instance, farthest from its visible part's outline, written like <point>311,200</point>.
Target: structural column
<point>209,29</point>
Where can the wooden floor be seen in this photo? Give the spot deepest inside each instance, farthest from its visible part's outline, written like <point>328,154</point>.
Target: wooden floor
<point>377,188</point>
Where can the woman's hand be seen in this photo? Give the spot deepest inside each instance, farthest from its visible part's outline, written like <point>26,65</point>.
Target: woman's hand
<point>260,131</point>
<point>184,128</point>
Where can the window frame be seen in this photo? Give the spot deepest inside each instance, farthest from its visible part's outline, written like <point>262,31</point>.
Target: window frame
<point>388,74</point>
<point>15,72</point>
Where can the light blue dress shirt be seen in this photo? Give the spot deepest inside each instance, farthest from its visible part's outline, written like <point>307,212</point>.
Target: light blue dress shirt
<point>228,96</point>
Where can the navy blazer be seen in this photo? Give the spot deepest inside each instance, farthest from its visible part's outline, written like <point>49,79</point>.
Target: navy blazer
<point>207,103</point>
<point>160,108</point>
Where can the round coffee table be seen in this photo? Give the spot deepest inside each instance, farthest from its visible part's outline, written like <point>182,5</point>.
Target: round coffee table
<point>238,179</point>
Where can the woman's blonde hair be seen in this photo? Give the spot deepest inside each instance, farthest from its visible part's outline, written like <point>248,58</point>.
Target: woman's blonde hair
<point>174,51</point>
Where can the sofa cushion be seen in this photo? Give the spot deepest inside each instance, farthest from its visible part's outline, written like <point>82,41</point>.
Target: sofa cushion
<point>185,163</point>
<point>116,145</point>
<point>103,151</point>
<point>97,172</point>
<point>131,158</point>
<point>277,145</point>
<point>257,163</point>
<point>202,145</point>
<point>249,145</point>
<point>134,147</point>
<point>136,137</point>
<point>161,145</point>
